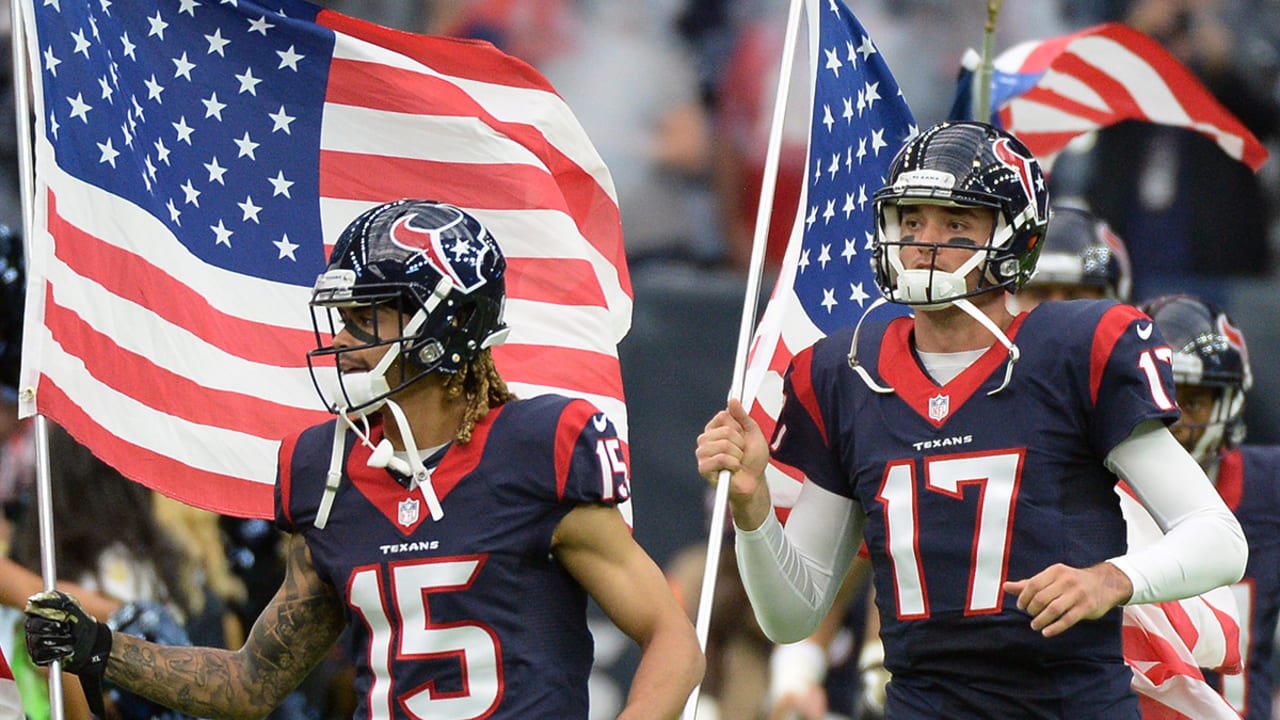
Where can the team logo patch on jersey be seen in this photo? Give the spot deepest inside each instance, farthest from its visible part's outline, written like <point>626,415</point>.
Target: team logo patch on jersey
<point>939,407</point>
<point>408,512</point>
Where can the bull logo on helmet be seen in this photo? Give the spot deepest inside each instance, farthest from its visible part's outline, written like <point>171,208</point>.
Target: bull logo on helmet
<point>429,242</point>
<point>1022,166</point>
<point>1235,339</point>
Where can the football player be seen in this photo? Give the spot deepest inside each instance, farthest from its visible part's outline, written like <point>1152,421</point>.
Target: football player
<point>1212,375</point>
<point>977,453</point>
<point>1081,258</point>
<point>456,531</point>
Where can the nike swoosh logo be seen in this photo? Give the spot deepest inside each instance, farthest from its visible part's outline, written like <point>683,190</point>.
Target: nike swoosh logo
<point>1144,331</point>
<point>600,422</point>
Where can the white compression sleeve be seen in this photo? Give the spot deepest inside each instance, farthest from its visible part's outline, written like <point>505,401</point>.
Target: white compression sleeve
<point>1203,546</point>
<point>792,576</point>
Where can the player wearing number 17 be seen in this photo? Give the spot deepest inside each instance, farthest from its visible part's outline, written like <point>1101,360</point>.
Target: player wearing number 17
<point>455,530</point>
<point>976,451</point>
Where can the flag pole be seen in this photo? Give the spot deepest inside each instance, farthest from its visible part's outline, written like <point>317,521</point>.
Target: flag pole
<point>26,178</point>
<point>746,328</point>
<point>982,83</point>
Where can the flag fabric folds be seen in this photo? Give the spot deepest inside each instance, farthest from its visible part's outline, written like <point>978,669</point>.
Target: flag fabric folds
<point>1047,92</point>
<point>1166,644</point>
<point>194,161</point>
<point>859,121</point>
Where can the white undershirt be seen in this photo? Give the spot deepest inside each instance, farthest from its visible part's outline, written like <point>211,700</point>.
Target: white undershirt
<point>944,367</point>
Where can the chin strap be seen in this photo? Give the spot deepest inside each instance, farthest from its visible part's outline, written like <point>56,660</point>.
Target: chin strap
<point>421,477</point>
<point>961,303</point>
<point>853,351</point>
<point>382,456</point>
<point>991,326</point>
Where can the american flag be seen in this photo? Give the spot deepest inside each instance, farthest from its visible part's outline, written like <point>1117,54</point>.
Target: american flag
<point>859,121</point>
<point>10,703</point>
<point>1166,644</point>
<point>1047,92</point>
<point>195,159</point>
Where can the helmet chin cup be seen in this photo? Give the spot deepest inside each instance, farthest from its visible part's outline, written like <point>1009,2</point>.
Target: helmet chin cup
<point>383,456</point>
<point>366,391</point>
<point>930,289</point>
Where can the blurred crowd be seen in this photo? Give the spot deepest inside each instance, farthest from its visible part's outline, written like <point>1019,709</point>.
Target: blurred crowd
<point>678,97</point>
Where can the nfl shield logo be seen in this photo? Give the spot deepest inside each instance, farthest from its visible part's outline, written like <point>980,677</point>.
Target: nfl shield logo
<point>939,407</point>
<point>408,514</point>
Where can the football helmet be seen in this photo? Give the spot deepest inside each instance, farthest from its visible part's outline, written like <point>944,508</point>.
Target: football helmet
<point>438,267</point>
<point>966,164</point>
<point>1081,249</point>
<point>1208,351</point>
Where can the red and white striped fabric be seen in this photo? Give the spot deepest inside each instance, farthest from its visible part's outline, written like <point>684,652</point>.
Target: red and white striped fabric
<point>1099,76</point>
<point>10,703</point>
<point>193,165</point>
<point>1167,643</point>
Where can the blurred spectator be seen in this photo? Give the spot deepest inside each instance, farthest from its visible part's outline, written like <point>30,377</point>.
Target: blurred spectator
<point>635,92</point>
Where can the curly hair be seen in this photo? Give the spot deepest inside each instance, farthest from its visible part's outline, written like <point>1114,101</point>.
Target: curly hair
<point>484,389</point>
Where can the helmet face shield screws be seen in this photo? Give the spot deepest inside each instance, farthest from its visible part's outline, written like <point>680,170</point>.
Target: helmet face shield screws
<point>427,280</point>
<point>966,165</point>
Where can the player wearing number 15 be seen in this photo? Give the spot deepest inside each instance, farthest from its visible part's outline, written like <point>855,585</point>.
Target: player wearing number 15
<point>455,530</point>
<point>976,452</point>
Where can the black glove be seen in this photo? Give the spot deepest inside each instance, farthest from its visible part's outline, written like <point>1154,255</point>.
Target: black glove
<point>57,628</point>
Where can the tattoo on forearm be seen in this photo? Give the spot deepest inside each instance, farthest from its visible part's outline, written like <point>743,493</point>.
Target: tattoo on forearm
<point>295,630</point>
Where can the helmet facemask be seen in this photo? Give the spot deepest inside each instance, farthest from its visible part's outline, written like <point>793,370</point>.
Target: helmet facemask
<point>933,288</point>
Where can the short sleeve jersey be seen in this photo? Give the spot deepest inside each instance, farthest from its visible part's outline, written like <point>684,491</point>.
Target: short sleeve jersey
<point>468,616</point>
<point>965,487</point>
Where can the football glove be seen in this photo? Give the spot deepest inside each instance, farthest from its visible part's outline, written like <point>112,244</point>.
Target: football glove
<point>57,628</point>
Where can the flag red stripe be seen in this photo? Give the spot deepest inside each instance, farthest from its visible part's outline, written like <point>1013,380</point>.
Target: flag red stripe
<point>596,214</point>
<point>594,373</point>
<point>1068,105</point>
<point>133,375</point>
<point>208,490</point>
<point>494,186</point>
<point>1115,93</point>
<point>471,59</point>
<point>132,278</point>
<point>562,281</point>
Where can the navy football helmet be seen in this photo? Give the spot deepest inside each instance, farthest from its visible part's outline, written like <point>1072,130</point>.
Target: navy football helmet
<point>967,164</point>
<point>1081,249</point>
<point>1208,351</point>
<point>435,264</point>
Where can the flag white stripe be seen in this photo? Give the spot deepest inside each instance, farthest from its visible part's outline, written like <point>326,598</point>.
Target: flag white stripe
<point>176,349</point>
<point>452,139</point>
<point>139,424</point>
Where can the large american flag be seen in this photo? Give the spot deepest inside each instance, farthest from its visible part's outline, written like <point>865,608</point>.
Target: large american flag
<point>859,121</point>
<point>194,161</point>
<point>1047,92</point>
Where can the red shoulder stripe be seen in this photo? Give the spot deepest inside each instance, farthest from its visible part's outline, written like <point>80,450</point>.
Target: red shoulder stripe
<point>1110,328</point>
<point>573,419</point>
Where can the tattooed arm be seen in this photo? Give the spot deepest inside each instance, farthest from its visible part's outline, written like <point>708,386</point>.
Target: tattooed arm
<point>288,639</point>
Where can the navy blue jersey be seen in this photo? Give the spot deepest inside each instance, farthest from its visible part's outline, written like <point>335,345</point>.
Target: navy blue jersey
<point>469,616</point>
<point>964,490</point>
<point>1249,482</point>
